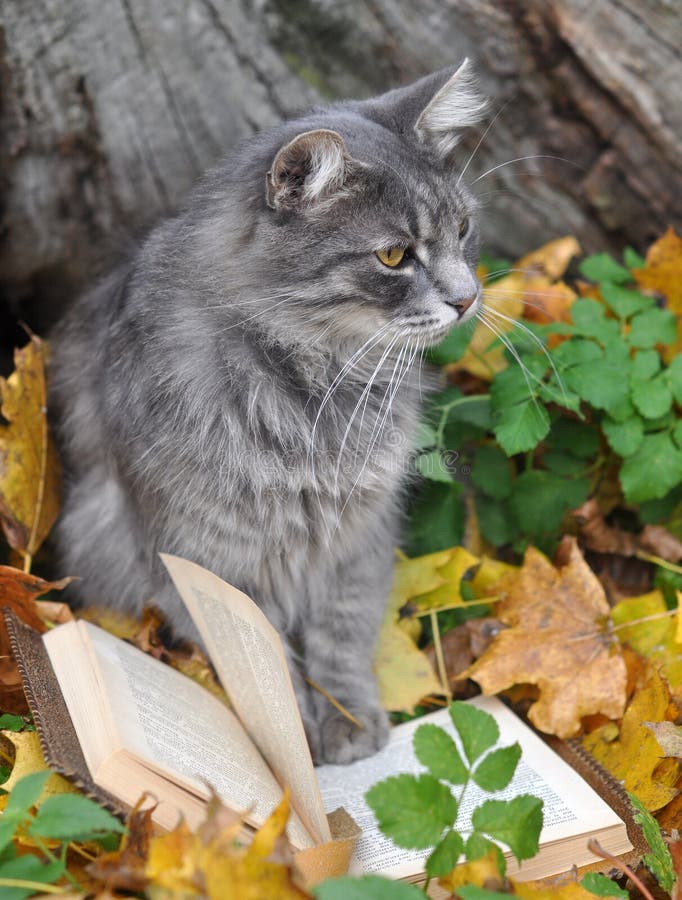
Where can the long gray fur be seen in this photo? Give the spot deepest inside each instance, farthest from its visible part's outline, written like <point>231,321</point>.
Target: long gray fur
<point>243,389</point>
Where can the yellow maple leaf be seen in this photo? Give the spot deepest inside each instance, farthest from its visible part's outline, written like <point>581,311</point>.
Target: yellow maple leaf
<point>29,759</point>
<point>557,639</point>
<point>215,863</point>
<point>479,872</point>
<point>29,472</point>
<point>635,756</point>
<point>653,633</point>
<point>404,673</point>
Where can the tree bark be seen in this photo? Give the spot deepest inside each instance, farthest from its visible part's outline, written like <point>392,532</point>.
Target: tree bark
<point>109,112</point>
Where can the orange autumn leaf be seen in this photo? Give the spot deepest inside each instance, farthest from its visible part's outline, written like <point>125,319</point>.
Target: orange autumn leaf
<point>634,755</point>
<point>663,270</point>
<point>558,639</point>
<point>29,471</point>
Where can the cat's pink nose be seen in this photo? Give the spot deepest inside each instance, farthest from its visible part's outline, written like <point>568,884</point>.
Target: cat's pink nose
<point>462,304</point>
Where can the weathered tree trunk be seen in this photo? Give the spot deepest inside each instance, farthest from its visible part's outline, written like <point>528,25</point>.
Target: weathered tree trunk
<point>109,112</point>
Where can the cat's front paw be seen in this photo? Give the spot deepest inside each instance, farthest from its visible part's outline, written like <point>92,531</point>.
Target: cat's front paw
<point>341,741</point>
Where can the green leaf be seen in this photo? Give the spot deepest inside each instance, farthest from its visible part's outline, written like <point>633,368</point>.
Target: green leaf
<point>623,301</point>
<point>589,317</point>
<point>425,436</point>
<point>520,428</point>
<point>471,892</point>
<point>541,499</point>
<point>575,352</point>
<point>674,376</point>
<point>435,749</point>
<point>495,521</point>
<point>659,861</point>
<point>452,347</point>
<point>478,731</point>
<point>29,868</point>
<point>632,259</point>
<point>509,388</point>
<point>473,410</point>
<point>491,473</point>
<point>369,887</point>
<point>655,326</point>
<point>432,466</point>
<point>563,463</point>
<point>602,382</point>
<point>677,433</point>
<point>25,793</point>
<point>445,855</point>
<point>497,769</point>
<point>603,267</point>
<point>479,845</point>
<point>653,470</point>
<point>624,437</point>
<point>517,823</point>
<point>412,811</point>
<point>8,825</point>
<point>436,518</point>
<point>652,398</point>
<point>645,364</point>
<point>72,817</point>
<point>580,439</point>
<point>8,722</point>
<point>599,884</point>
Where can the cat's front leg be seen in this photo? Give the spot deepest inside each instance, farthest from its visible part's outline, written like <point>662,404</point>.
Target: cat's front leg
<point>340,637</point>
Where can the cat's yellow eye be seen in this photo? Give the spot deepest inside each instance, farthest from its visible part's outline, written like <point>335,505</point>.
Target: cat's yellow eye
<point>391,257</point>
<point>463,227</point>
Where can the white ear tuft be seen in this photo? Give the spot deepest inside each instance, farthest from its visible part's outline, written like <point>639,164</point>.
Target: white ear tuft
<point>314,166</point>
<point>457,105</point>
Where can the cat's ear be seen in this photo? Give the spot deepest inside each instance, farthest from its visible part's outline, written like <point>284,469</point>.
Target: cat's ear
<point>458,104</point>
<point>315,166</point>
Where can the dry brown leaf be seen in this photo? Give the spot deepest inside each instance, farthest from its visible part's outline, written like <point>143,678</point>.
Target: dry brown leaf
<point>635,756</point>
<point>669,737</point>
<point>557,639</point>
<point>124,869</point>
<point>18,591</point>
<point>29,471</point>
<point>596,535</point>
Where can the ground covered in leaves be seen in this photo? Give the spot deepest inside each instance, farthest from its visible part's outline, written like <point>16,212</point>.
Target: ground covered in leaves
<point>543,562</point>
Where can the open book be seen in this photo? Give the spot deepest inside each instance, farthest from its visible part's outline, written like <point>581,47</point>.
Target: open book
<point>142,726</point>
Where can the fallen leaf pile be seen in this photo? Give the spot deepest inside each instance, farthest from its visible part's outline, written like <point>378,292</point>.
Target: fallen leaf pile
<point>569,638</point>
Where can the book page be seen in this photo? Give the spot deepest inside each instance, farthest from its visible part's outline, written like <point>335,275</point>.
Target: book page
<point>570,805</point>
<point>248,655</point>
<point>169,722</point>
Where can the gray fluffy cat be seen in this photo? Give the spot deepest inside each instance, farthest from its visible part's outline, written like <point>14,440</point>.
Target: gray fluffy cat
<point>242,391</point>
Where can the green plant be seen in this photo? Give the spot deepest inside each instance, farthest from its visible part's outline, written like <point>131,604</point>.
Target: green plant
<point>422,811</point>
<point>584,404</point>
<point>62,817</point>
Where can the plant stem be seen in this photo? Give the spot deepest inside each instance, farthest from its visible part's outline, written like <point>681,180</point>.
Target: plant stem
<point>596,848</point>
<point>334,702</point>
<point>35,886</point>
<point>659,561</point>
<point>50,855</point>
<point>440,659</point>
<point>652,618</point>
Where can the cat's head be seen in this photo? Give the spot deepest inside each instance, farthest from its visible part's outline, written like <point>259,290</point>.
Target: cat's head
<point>364,219</point>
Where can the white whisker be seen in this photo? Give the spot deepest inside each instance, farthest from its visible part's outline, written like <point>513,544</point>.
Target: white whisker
<point>522,158</point>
